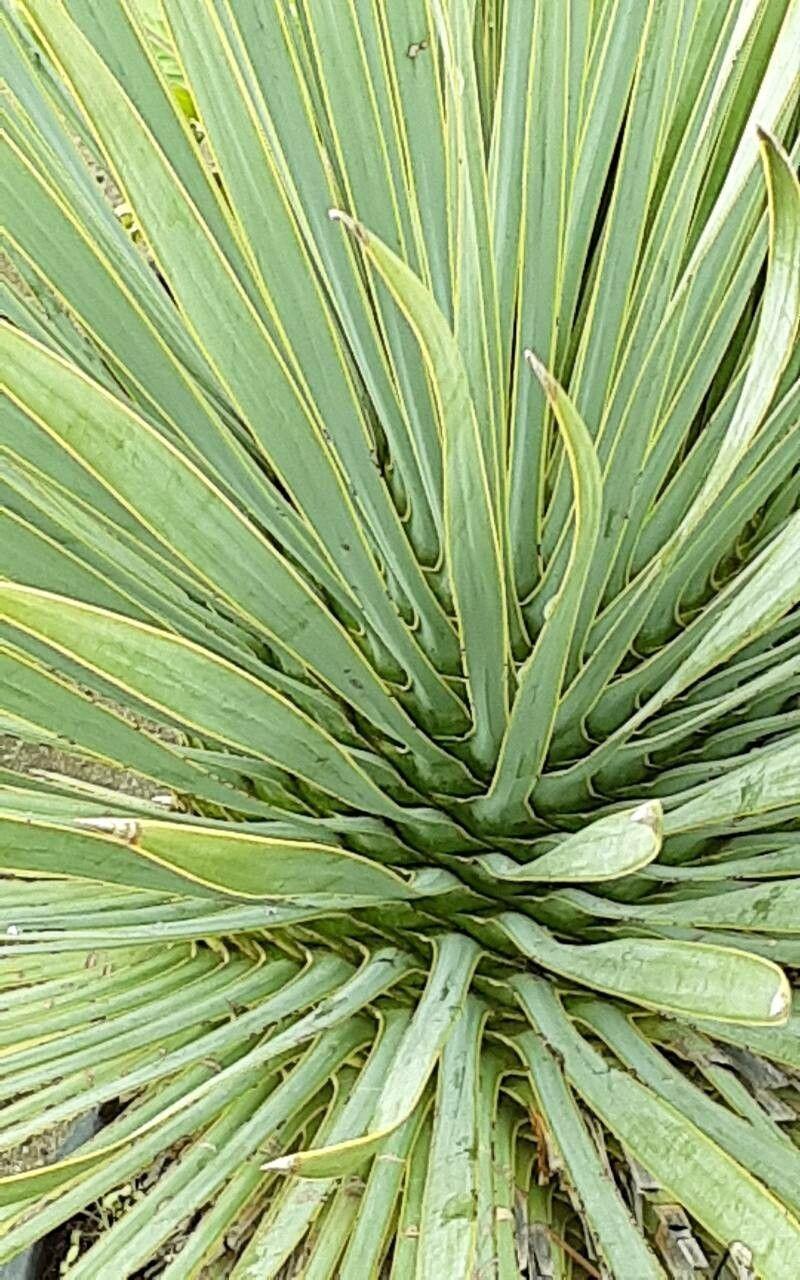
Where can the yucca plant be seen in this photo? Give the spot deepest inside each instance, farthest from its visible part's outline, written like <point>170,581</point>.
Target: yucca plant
<point>400,480</point>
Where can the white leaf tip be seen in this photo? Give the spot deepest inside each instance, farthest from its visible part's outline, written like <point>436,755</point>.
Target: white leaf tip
<point>282,1164</point>
<point>648,813</point>
<point>352,224</point>
<point>781,1001</point>
<point>549,384</point>
<point>126,829</point>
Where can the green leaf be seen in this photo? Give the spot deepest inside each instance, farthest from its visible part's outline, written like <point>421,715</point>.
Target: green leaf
<point>611,1226</point>
<point>540,677</point>
<point>610,847</point>
<point>448,1226</point>
<point>252,866</point>
<point>416,1057</point>
<point>471,532</point>
<point>192,519</point>
<point>693,979</point>
<point>218,311</point>
<point>377,718</point>
<point>717,1191</point>
<point>775,1162</point>
<point>205,692</point>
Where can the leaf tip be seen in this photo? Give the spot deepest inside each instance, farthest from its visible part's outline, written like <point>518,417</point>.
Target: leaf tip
<point>350,223</point>
<point>549,384</point>
<point>126,829</point>
<point>781,1004</point>
<point>648,814</point>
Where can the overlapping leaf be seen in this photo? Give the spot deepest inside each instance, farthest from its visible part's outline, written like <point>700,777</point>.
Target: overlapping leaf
<point>400,826</point>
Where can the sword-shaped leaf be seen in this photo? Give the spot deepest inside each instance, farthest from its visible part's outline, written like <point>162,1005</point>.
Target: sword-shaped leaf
<point>439,1008</point>
<point>693,979</point>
